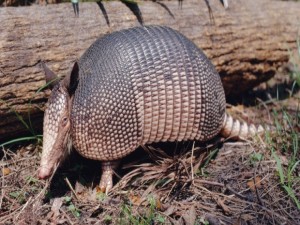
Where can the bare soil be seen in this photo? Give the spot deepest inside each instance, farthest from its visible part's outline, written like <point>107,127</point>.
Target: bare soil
<point>220,182</point>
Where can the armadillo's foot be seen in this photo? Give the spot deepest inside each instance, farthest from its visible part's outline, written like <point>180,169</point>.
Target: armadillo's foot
<point>106,182</point>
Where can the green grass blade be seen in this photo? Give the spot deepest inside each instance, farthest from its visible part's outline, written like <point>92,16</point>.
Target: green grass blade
<point>295,145</point>
<point>21,139</point>
<point>294,167</point>
<point>20,118</point>
<point>46,85</point>
<point>292,195</point>
<point>279,168</point>
<point>210,156</point>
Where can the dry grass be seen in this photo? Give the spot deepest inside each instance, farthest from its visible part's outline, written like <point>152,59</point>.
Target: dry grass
<point>236,187</point>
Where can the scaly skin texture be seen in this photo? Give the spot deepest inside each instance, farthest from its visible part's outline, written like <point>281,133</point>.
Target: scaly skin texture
<point>135,87</point>
<point>144,85</point>
<point>234,129</point>
<point>56,130</point>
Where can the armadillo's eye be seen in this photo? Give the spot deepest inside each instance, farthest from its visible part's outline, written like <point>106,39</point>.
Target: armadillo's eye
<point>64,121</point>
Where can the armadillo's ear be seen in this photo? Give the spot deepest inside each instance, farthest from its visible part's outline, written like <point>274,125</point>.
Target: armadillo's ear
<point>71,81</point>
<point>50,76</point>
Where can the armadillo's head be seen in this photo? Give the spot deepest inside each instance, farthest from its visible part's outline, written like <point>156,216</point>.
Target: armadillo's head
<point>57,123</point>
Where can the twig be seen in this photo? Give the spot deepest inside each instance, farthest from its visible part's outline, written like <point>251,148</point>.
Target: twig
<point>178,191</point>
<point>266,107</point>
<point>70,186</point>
<point>186,170</point>
<point>2,190</point>
<point>66,215</point>
<point>203,188</point>
<point>8,198</point>
<point>174,184</point>
<point>24,206</point>
<point>9,162</point>
<point>255,185</point>
<point>9,216</point>
<point>236,193</point>
<point>192,167</point>
<point>18,172</point>
<point>210,183</point>
<point>270,212</point>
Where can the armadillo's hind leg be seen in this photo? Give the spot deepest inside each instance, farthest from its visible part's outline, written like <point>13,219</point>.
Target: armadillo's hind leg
<point>106,182</point>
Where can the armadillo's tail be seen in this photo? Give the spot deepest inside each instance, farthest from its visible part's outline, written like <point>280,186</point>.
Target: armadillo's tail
<point>234,129</point>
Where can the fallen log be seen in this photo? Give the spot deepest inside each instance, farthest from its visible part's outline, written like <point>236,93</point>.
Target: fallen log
<point>247,43</point>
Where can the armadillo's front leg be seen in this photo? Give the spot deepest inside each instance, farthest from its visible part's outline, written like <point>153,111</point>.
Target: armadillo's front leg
<point>106,182</point>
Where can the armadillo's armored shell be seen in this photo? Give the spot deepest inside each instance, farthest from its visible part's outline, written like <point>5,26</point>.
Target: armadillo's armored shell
<point>144,85</point>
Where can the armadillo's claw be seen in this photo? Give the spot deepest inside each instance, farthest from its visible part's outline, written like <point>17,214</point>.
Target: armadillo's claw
<point>106,182</point>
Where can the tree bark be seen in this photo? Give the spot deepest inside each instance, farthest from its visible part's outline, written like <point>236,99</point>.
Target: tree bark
<point>247,43</point>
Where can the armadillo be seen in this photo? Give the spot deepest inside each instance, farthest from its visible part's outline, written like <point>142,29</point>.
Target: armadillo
<point>130,88</point>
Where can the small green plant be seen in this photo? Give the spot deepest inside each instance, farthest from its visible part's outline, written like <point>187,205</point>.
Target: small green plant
<point>74,210</point>
<point>71,207</point>
<point>151,212</point>
<point>127,216</point>
<point>48,195</point>
<point>255,157</point>
<point>31,180</point>
<point>107,219</point>
<point>19,196</point>
<point>151,216</point>
<point>289,146</point>
<point>68,199</point>
<point>212,154</point>
<point>101,196</point>
<point>160,219</point>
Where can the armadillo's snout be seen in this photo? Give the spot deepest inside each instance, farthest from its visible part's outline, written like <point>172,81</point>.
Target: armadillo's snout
<point>44,173</point>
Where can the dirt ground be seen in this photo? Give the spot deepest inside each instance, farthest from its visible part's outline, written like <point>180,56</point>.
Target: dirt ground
<point>220,182</point>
